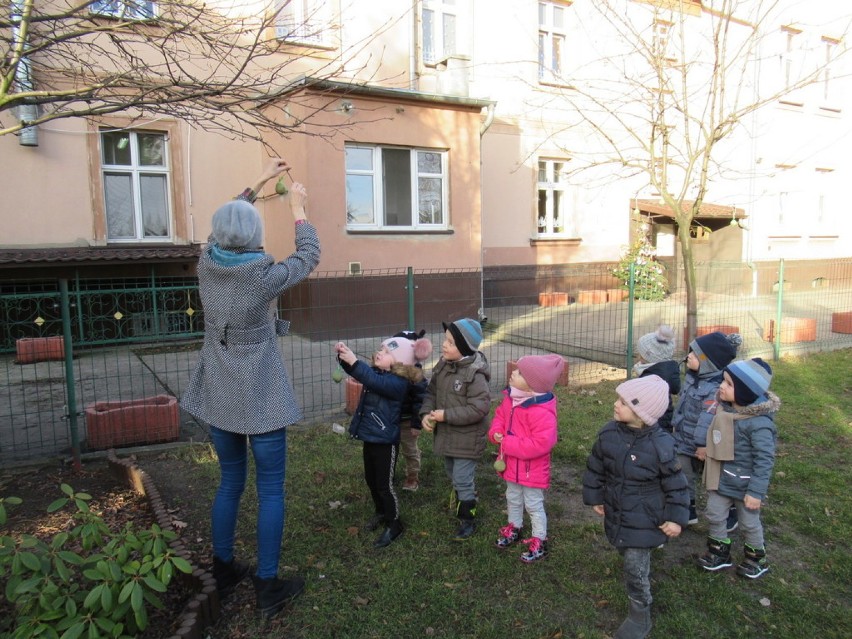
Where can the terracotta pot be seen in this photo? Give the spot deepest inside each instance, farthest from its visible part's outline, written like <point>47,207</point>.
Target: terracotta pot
<point>39,349</point>
<point>616,294</point>
<point>512,364</point>
<point>595,296</point>
<point>353,395</point>
<point>138,421</point>
<point>841,322</point>
<point>793,329</point>
<point>553,299</point>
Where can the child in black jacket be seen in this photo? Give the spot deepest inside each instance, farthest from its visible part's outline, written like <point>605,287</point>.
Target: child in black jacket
<point>656,357</point>
<point>633,479</point>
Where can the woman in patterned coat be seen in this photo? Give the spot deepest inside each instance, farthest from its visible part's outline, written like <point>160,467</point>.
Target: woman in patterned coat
<point>240,386</point>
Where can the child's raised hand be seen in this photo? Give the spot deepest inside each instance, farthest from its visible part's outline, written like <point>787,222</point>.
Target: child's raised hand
<point>345,353</point>
<point>671,529</point>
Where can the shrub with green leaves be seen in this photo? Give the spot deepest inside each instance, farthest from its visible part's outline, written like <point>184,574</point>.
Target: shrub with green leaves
<point>649,275</point>
<point>87,581</point>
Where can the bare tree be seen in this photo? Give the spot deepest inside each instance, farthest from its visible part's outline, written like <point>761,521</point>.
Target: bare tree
<point>180,58</point>
<point>675,81</point>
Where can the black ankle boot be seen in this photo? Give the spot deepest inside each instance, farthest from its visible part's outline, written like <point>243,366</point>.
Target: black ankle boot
<point>393,530</point>
<point>228,574</point>
<point>273,594</point>
<point>466,513</point>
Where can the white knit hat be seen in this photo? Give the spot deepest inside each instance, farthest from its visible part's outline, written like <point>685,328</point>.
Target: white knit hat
<point>647,396</point>
<point>658,346</point>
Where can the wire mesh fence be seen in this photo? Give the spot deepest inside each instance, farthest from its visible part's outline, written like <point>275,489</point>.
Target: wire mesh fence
<point>133,346</point>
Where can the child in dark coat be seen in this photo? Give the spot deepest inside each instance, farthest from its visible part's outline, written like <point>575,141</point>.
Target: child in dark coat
<point>634,480</point>
<point>376,421</point>
<point>656,357</point>
<point>739,462</point>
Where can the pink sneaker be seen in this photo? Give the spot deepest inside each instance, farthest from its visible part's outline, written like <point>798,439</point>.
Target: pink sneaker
<point>536,549</point>
<point>509,535</point>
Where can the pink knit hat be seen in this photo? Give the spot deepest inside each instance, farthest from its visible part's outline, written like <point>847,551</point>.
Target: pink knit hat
<point>408,352</point>
<point>541,372</point>
<point>647,396</point>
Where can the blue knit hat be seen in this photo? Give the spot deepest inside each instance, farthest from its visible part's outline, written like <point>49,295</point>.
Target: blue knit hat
<point>467,334</point>
<point>751,379</point>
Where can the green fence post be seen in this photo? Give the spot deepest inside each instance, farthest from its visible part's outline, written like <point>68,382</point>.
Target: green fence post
<point>410,287</point>
<point>70,392</point>
<point>631,294</point>
<point>778,312</point>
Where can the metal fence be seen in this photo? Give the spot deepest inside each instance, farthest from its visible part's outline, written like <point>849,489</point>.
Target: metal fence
<point>69,347</point>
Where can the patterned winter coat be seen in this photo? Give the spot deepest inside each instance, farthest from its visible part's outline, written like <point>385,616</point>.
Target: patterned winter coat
<point>635,474</point>
<point>529,434</point>
<point>461,389</point>
<point>754,449</point>
<point>378,416</point>
<point>240,383</point>
<point>691,418</point>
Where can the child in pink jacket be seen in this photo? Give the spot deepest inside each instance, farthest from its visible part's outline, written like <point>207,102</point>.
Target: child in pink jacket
<point>524,426</point>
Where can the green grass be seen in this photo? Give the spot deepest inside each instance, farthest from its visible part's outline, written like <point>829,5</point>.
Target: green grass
<point>425,585</point>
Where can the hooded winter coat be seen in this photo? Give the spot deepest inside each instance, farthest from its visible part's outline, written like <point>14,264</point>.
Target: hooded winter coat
<point>635,474</point>
<point>529,434</point>
<point>460,388</point>
<point>691,417</point>
<point>754,449</point>
<point>377,418</point>
<point>239,383</point>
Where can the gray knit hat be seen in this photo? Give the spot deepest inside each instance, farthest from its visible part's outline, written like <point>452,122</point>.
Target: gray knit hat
<point>237,224</point>
<point>467,334</point>
<point>657,346</point>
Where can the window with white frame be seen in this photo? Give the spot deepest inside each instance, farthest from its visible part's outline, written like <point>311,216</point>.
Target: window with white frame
<point>440,21</point>
<point>135,171</point>
<point>829,92</point>
<point>660,43</point>
<point>551,40</point>
<point>303,21</point>
<point>395,188</point>
<point>827,190</point>
<point>554,217</point>
<point>791,58</point>
<point>125,9</point>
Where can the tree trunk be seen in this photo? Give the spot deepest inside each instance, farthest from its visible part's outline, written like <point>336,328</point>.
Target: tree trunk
<point>689,279</point>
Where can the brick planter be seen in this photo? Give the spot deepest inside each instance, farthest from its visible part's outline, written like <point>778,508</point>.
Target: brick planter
<point>553,299</point>
<point>616,294</point>
<point>39,349</point>
<point>353,395</point>
<point>595,296</point>
<point>512,364</point>
<point>138,421</point>
<point>793,329</point>
<point>727,329</point>
<point>841,322</point>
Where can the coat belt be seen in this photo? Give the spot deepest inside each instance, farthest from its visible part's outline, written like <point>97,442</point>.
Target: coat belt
<point>239,335</point>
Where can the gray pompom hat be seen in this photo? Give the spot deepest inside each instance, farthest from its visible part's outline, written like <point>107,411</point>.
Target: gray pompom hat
<point>237,225</point>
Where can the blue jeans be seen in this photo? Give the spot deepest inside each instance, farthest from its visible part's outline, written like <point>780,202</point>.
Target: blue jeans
<point>270,461</point>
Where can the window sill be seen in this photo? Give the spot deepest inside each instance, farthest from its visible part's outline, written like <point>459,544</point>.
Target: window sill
<point>555,241</point>
<point>402,231</point>
<point>554,84</point>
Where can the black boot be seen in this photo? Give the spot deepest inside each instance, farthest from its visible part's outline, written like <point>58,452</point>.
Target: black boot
<point>466,514</point>
<point>638,622</point>
<point>754,563</point>
<point>693,513</point>
<point>228,575</point>
<point>391,532</point>
<point>273,594</point>
<point>718,555</point>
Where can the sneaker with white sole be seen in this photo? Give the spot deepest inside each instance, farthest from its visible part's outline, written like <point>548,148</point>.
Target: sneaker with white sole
<point>509,536</point>
<point>536,549</point>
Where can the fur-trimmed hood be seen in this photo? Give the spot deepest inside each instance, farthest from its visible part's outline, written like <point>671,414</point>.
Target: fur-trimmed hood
<point>768,406</point>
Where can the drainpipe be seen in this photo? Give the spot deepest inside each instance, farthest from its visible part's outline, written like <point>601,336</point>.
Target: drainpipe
<point>28,136</point>
<point>489,118</point>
